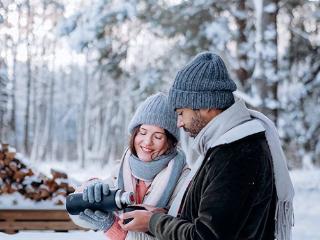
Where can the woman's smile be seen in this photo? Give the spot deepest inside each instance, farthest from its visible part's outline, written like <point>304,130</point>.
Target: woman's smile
<point>145,149</point>
<point>150,142</point>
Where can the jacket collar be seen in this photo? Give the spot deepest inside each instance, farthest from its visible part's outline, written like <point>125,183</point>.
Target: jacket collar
<point>228,126</point>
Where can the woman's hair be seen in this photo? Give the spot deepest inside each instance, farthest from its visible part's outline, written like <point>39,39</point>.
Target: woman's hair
<point>172,141</point>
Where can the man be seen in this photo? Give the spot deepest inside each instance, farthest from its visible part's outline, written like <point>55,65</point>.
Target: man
<point>240,188</point>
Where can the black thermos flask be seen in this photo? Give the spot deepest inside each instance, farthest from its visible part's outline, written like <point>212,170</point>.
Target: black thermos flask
<point>116,200</point>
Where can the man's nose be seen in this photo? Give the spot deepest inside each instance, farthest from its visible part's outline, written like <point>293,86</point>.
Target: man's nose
<point>179,123</point>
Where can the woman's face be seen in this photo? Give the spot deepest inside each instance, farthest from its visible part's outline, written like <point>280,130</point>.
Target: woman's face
<point>150,142</point>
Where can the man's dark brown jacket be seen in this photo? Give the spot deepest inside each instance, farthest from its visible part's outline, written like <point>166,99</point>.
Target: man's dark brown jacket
<point>232,196</point>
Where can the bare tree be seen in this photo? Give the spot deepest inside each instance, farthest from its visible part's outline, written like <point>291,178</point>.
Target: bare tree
<point>82,133</point>
<point>29,76</point>
<point>243,71</point>
<point>15,44</point>
<point>266,69</point>
<point>3,96</point>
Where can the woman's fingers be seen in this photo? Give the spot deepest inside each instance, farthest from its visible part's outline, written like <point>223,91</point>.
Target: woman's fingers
<point>93,193</point>
<point>90,191</point>
<point>85,194</point>
<point>97,192</point>
<point>105,189</point>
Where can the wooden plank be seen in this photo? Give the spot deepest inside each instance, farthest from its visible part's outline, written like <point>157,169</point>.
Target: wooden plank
<point>34,215</point>
<point>15,220</point>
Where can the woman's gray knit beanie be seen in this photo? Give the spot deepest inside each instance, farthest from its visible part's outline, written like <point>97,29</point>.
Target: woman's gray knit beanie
<point>155,110</point>
<point>203,83</point>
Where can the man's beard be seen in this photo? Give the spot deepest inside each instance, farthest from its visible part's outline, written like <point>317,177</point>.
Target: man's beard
<point>197,123</point>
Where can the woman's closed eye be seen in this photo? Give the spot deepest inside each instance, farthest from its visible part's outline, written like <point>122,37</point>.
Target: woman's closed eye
<point>158,136</point>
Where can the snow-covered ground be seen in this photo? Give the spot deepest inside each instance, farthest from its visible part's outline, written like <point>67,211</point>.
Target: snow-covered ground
<point>306,205</point>
<point>79,235</point>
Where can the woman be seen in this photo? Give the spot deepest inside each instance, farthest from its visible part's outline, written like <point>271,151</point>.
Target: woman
<point>152,167</point>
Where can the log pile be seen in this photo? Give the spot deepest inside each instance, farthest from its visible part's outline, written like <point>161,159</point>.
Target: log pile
<point>16,176</point>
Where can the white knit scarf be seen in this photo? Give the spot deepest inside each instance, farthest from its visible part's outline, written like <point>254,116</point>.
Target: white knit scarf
<point>236,123</point>
<point>146,171</point>
<point>170,174</point>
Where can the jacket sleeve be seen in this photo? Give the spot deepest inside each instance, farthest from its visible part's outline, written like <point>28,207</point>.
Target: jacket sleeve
<point>223,185</point>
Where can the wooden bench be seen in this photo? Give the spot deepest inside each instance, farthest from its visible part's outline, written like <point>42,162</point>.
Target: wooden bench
<point>12,221</point>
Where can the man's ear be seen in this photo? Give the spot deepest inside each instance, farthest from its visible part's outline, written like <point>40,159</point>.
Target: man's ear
<point>206,110</point>
<point>209,113</point>
<point>205,113</point>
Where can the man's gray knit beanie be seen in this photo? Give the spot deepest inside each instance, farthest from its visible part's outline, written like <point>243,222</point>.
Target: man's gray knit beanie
<point>203,83</point>
<point>155,110</point>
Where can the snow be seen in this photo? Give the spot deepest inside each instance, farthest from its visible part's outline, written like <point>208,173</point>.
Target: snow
<point>79,235</point>
<point>306,204</point>
<point>258,4</point>
<point>270,8</point>
<point>242,15</point>
<point>75,172</point>
<point>218,32</point>
<point>157,47</point>
<point>17,201</point>
<point>254,101</point>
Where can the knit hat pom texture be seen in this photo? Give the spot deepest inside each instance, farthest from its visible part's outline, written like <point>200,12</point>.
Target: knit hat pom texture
<point>203,83</point>
<point>155,110</point>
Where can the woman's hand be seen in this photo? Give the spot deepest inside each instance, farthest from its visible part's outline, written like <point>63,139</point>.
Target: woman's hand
<point>100,220</point>
<point>94,191</point>
<point>139,223</point>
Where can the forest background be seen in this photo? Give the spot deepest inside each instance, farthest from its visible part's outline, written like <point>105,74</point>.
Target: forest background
<point>73,72</point>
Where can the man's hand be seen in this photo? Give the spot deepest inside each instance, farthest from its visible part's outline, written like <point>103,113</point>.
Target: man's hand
<point>140,222</point>
<point>153,209</point>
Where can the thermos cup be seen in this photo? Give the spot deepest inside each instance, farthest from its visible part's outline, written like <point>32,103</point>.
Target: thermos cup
<point>116,200</point>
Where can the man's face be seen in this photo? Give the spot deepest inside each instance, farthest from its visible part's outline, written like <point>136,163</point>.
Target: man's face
<point>190,120</point>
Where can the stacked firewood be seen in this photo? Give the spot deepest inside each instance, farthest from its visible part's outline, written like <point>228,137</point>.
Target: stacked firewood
<point>16,176</point>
